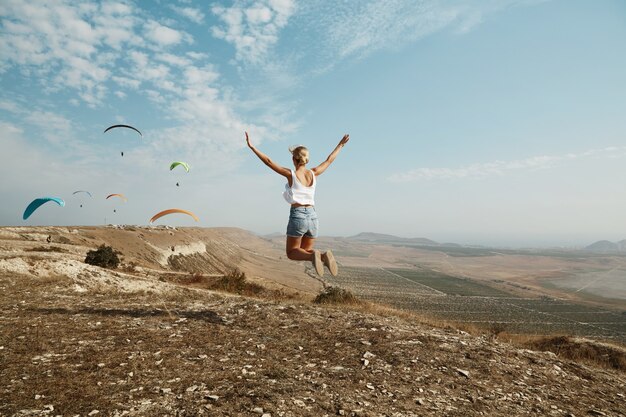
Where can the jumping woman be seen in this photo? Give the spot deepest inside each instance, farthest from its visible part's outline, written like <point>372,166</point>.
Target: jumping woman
<point>300,193</point>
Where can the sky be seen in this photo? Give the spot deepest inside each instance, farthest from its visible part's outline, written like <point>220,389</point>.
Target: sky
<point>476,122</point>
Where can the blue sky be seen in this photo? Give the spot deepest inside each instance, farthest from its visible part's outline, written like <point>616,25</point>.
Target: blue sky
<point>478,122</point>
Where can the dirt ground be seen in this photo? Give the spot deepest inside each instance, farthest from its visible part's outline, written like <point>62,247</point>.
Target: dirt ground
<point>192,352</point>
<point>80,340</point>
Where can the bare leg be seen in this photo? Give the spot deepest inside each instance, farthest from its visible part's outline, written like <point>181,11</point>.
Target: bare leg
<point>294,250</point>
<point>307,244</point>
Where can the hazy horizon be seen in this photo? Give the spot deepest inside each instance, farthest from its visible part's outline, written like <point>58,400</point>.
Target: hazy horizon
<point>478,123</point>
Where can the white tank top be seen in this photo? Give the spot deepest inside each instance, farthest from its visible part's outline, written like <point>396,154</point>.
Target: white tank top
<point>299,193</point>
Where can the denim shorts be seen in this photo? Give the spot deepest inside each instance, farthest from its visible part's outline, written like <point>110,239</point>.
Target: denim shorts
<point>302,222</point>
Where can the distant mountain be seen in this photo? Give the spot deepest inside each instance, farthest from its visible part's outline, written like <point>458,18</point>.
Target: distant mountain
<point>384,238</point>
<point>604,246</point>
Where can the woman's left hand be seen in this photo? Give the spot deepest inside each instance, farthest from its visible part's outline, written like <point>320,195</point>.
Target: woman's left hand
<point>248,141</point>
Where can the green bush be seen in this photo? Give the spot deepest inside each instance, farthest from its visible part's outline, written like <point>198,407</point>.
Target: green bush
<point>104,257</point>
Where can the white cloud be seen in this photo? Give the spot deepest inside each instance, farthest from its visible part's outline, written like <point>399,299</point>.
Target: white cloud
<point>191,13</point>
<point>253,26</point>
<point>346,29</point>
<point>487,169</point>
<point>163,35</point>
<point>172,59</point>
<point>62,39</point>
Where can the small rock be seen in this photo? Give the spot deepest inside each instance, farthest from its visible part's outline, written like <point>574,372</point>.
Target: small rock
<point>48,407</point>
<point>342,412</point>
<point>192,388</point>
<point>37,396</point>
<point>368,355</point>
<point>463,372</point>
<point>369,386</point>
<point>365,362</point>
<point>212,397</point>
<point>299,403</point>
<point>419,401</point>
<point>366,343</point>
<point>266,415</point>
<point>166,390</point>
<point>93,412</point>
<point>596,413</point>
<point>101,365</point>
<point>159,362</point>
<point>257,410</point>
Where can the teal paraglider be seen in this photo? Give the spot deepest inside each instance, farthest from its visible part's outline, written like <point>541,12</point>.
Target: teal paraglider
<point>34,205</point>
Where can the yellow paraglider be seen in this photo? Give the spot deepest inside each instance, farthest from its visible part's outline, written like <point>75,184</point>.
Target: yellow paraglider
<point>174,210</point>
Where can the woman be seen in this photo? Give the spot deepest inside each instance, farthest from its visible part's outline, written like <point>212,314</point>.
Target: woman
<point>300,193</point>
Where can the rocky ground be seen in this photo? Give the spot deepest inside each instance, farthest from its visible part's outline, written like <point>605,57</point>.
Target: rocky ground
<point>147,340</point>
<point>182,351</point>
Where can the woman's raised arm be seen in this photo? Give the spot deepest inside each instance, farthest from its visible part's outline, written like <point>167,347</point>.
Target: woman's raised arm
<point>318,170</point>
<point>285,172</point>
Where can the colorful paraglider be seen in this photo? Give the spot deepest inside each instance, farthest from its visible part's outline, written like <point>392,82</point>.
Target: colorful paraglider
<point>122,196</point>
<point>36,203</point>
<point>178,163</point>
<point>171,211</point>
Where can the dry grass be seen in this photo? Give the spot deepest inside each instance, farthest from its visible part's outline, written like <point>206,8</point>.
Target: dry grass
<point>579,350</point>
<point>50,248</point>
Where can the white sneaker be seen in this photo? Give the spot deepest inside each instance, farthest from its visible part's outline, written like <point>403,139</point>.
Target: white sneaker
<point>329,261</point>
<point>317,263</point>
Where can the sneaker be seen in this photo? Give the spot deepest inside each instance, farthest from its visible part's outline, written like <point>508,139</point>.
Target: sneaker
<point>329,261</point>
<point>317,263</point>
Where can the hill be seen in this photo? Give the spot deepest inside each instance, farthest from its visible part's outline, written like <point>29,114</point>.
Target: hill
<point>151,339</point>
<point>605,246</point>
<point>384,238</point>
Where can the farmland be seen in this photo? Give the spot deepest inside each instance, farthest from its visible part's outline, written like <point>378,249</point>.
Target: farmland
<point>463,300</point>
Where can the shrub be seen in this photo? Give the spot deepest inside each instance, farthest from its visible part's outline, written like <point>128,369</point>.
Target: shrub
<point>586,351</point>
<point>104,257</point>
<point>336,295</point>
<point>235,282</point>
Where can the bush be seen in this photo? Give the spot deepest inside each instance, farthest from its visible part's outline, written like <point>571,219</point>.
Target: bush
<point>235,282</point>
<point>336,295</point>
<point>104,257</point>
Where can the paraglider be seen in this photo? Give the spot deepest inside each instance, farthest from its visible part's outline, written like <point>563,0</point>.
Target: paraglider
<point>126,126</point>
<point>36,203</point>
<point>178,163</point>
<point>81,191</point>
<point>122,196</point>
<point>174,210</point>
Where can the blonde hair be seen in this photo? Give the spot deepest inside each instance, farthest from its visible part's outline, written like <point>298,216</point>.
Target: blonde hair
<point>300,154</point>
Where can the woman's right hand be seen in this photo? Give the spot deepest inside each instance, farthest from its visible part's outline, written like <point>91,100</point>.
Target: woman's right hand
<point>345,139</point>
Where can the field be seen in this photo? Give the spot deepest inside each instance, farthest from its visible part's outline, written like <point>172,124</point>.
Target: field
<point>464,300</point>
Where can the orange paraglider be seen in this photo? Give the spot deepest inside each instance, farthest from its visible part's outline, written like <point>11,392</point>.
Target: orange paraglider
<point>122,196</point>
<point>174,210</point>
